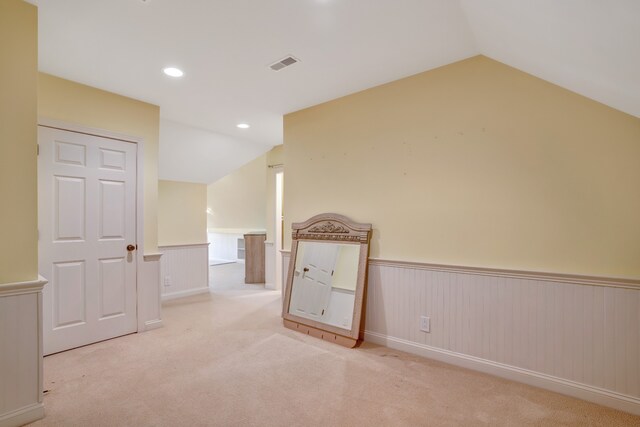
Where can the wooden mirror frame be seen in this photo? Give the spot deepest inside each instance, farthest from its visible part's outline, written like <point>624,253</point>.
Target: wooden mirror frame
<point>329,228</point>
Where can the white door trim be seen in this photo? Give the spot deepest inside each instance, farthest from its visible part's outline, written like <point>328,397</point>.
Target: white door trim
<point>276,239</point>
<point>74,127</point>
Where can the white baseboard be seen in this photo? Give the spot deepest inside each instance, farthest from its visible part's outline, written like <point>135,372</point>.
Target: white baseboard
<point>22,416</point>
<point>152,324</point>
<point>548,382</point>
<point>182,294</point>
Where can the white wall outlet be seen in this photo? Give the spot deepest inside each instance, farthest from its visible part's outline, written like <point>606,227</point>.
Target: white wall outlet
<point>425,324</point>
<point>167,280</point>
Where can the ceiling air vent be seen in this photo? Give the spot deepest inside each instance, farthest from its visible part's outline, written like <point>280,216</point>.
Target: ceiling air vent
<point>285,62</point>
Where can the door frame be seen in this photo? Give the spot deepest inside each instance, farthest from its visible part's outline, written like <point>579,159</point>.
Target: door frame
<point>277,238</point>
<point>139,142</point>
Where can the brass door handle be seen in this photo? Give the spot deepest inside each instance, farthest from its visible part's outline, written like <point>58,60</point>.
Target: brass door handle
<point>131,248</point>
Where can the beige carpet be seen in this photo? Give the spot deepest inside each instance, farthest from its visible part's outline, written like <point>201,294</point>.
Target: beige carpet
<point>224,359</point>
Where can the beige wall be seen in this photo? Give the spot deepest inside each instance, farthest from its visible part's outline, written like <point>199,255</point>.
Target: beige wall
<point>76,103</point>
<point>238,200</point>
<point>182,213</point>
<point>18,161</point>
<point>475,164</point>
<point>275,156</point>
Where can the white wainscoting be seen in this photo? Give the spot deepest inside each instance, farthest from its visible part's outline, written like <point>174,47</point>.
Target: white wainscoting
<point>579,336</point>
<point>576,335</point>
<point>21,353</point>
<point>224,246</point>
<point>185,268</point>
<point>270,266</point>
<point>286,256</point>
<point>149,308</point>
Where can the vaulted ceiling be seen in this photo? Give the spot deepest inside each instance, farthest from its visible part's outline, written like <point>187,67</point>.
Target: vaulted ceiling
<point>225,49</point>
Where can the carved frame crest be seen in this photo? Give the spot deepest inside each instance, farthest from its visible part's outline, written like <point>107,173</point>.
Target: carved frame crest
<point>330,227</point>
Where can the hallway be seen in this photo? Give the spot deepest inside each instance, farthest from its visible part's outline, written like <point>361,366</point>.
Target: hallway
<point>228,277</point>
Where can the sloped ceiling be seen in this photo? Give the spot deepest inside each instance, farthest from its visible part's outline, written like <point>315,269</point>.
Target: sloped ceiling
<point>225,47</point>
<point>191,154</point>
<point>591,47</point>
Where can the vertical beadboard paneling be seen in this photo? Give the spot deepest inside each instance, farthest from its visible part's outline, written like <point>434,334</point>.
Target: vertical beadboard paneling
<point>188,269</point>
<point>583,333</point>
<point>149,308</point>
<point>286,256</point>
<point>224,246</point>
<point>609,340</point>
<point>21,352</point>
<point>269,265</point>
<point>633,356</point>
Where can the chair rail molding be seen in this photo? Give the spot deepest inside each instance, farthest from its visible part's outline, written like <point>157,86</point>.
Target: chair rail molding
<point>515,274</point>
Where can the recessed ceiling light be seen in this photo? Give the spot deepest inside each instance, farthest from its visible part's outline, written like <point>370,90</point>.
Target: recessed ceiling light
<point>243,126</point>
<point>173,72</point>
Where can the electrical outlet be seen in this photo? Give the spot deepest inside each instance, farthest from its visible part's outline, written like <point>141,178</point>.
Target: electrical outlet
<point>167,280</point>
<point>425,324</point>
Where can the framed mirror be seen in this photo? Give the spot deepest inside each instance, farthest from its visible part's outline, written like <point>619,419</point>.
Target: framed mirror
<point>327,278</point>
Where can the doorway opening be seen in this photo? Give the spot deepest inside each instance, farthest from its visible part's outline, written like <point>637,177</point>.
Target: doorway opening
<point>279,230</point>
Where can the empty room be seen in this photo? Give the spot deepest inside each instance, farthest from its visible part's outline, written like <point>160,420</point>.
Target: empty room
<point>319,212</point>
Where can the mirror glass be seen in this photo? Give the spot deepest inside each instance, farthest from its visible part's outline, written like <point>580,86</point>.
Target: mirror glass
<point>324,282</point>
<point>327,278</point>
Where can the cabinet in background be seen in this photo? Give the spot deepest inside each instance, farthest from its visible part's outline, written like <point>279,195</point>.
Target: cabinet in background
<point>254,258</point>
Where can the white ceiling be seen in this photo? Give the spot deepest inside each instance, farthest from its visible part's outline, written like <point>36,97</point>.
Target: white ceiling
<point>591,47</point>
<point>197,155</point>
<point>225,47</point>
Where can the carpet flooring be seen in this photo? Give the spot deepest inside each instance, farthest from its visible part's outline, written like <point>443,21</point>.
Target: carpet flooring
<point>224,359</point>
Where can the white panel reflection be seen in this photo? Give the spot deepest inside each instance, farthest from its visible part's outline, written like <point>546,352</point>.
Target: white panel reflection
<point>324,282</point>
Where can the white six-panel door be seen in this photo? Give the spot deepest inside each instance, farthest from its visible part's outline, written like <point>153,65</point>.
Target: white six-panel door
<point>312,286</point>
<point>86,220</point>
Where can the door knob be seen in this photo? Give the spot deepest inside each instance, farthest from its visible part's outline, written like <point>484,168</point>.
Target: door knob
<point>131,248</point>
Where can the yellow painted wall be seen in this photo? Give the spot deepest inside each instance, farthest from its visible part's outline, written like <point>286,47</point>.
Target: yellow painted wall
<point>474,164</point>
<point>182,213</point>
<point>18,139</point>
<point>274,157</point>
<point>72,102</point>
<point>238,200</point>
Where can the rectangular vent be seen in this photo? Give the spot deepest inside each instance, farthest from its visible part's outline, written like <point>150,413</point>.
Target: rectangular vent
<point>285,62</point>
